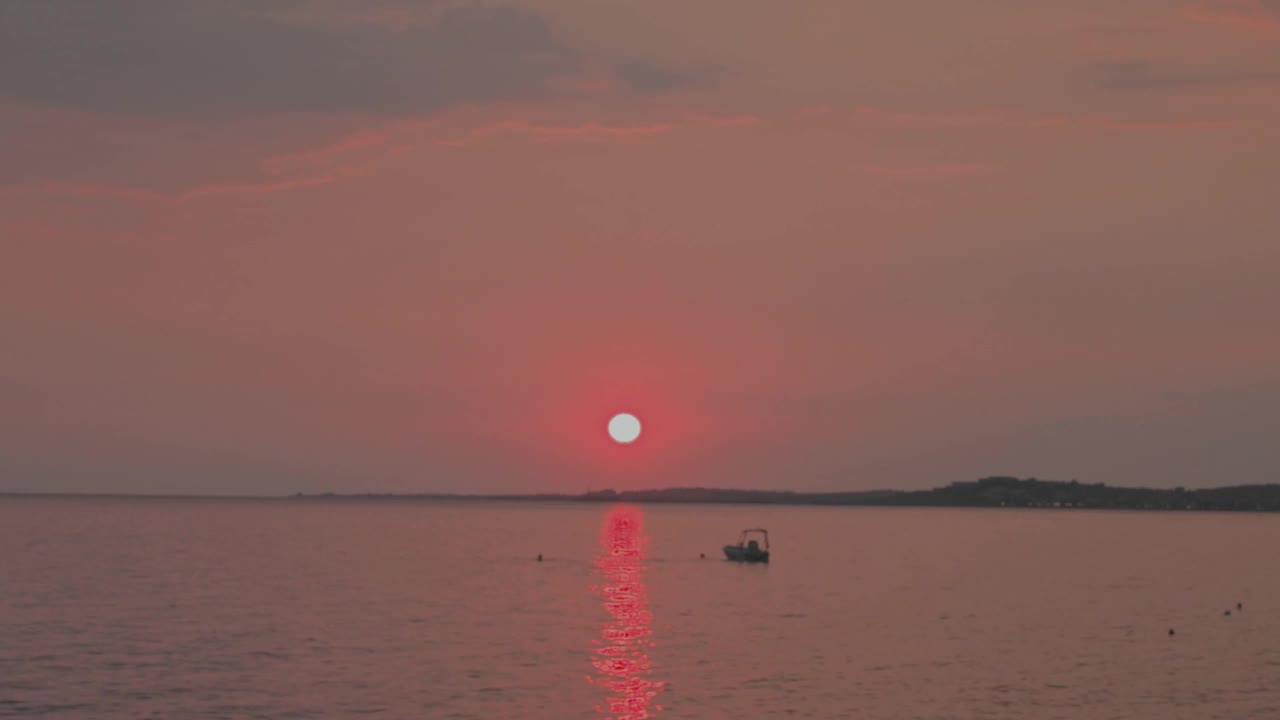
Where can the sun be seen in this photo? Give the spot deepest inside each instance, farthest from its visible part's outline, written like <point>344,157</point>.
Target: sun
<point>624,428</point>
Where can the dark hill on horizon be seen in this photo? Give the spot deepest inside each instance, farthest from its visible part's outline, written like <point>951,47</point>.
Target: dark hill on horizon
<point>985,492</point>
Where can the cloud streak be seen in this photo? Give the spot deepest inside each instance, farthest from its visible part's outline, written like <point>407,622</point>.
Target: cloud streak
<point>646,77</point>
<point>361,152</point>
<point>927,172</point>
<point>1253,17</point>
<point>1140,75</point>
<point>871,117</point>
<point>136,195</point>
<point>155,56</point>
<point>586,132</point>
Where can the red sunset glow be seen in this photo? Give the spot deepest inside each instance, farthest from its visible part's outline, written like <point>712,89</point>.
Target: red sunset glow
<point>352,354</point>
<point>263,252</point>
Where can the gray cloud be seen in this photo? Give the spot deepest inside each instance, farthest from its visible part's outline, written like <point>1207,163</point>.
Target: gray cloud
<point>200,57</point>
<point>1142,75</point>
<point>645,77</point>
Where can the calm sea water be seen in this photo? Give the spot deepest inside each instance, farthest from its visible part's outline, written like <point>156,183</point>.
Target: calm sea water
<point>304,608</point>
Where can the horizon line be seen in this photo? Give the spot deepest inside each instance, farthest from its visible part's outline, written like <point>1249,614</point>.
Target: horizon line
<point>570,495</point>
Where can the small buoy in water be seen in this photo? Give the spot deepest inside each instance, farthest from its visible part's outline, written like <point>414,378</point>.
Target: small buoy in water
<point>1239,606</point>
<point>539,557</point>
<point>1226,612</point>
<point>702,555</point>
<point>1170,632</point>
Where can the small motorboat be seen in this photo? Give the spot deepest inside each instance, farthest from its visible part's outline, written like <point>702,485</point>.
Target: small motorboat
<point>748,549</point>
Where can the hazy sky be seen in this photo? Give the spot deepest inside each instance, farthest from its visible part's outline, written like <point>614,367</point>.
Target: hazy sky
<point>262,247</point>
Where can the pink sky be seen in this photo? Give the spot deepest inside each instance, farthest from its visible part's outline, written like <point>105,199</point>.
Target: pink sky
<point>257,247</point>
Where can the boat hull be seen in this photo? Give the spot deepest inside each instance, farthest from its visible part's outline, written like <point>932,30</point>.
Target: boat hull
<point>740,554</point>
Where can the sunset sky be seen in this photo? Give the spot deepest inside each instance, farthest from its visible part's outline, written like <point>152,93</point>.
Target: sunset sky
<point>267,247</point>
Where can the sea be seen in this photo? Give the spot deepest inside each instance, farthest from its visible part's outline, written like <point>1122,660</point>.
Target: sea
<point>133,608</point>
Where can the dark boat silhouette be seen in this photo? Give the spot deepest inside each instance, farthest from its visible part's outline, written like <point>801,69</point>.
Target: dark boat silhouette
<point>748,549</point>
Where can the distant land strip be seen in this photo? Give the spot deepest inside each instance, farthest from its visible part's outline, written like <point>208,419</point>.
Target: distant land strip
<point>989,492</point>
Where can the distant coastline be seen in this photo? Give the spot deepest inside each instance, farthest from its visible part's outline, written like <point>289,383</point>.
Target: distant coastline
<point>989,492</point>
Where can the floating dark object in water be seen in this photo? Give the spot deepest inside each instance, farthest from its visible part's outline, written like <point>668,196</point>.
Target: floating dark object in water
<point>539,557</point>
<point>1170,632</point>
<point>1239,606</point>
<point>1226,612</point>
<point>749,550</point>
<point>702,555</point>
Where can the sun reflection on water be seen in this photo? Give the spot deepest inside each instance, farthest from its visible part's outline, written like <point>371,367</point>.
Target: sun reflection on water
<point>621,658</point>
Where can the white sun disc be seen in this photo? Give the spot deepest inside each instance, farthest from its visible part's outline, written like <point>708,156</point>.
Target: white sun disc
<point>624,428</point>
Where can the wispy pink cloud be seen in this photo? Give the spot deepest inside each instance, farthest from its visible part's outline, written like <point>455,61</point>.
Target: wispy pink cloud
<point>362,151</point>
<point>927,172</point>
<point>1245,16</point>
<point>738,120</point>
<point>812,111</point>
<point>662,122</point>
<point>1173,125</point>
<point>146,197</point>
<point>324,155</point>
<point>256,188</point>
<point>1012,119</point>
<point>465,129</point>
<point>586,132</point>
<point>117,192</point>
